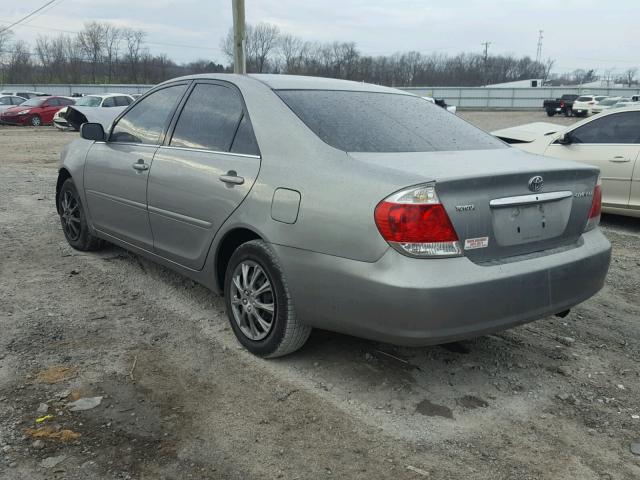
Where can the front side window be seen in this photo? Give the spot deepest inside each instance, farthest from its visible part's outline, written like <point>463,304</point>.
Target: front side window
<point>384,122</point>
<point>617,128</point>
<point>33,102</point>
<point>145,122</point>
<point>209,119</point>
<point>109,102</point>
<point>18,100</point>
<point>52,102</point>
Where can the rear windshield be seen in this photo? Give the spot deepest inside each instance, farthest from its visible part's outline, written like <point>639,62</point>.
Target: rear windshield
<point>584,99</point>
<point>609,102</point>
<point>383,122</point>
<point>89,102</point>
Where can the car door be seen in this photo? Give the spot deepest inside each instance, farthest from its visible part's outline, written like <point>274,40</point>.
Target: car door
<point>116,171</point>
<point>201,174</point>
<point>49,109</point>
<point>612,143</point>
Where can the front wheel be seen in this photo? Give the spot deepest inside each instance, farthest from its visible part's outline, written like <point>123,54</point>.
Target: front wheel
<point>259,304</point>
<point>550,113</point>
<point>74,220</point>
<point>36,121</point>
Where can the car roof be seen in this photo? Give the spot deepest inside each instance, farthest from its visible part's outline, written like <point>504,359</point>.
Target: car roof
<point>106,95</point>
<point>294,82</point>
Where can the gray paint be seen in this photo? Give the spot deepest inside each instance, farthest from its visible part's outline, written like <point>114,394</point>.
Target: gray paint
<point>285,205</point>
<point>342,274</point>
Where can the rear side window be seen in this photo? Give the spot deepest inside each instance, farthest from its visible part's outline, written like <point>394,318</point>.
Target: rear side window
<point>123,101</point>
<point>5,101</point>
<point>210,118</point>
<point>616,128</point>
<point>17,100</point>
<point>384,122</point>
<point>245,141</point>
<point>145,121</point>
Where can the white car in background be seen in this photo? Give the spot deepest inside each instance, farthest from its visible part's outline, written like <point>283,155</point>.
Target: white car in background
<point>24,94</point>
<point>583,105</point>
<point>610,141</point>
<point>605,104</point>
<point>81,112</point>
<point>626,102</point>
<point>8,101</point>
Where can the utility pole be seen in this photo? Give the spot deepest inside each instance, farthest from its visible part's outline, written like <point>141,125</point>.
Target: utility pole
<point>239,61</point>
<point>486,60</point>
<point>539,52</point>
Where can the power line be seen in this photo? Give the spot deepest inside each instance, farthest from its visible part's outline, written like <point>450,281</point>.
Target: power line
<point>17,22</point>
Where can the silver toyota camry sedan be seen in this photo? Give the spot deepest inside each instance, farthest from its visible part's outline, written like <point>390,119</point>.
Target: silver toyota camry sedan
<point>313,202</point>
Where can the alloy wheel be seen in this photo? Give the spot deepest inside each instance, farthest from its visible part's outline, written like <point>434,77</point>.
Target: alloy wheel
<point>252,300</point>
<point>70,215</point>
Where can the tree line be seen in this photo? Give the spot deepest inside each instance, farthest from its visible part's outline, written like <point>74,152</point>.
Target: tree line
<point>105,53</point>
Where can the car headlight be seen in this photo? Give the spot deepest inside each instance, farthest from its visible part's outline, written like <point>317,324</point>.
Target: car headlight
<point>22,112</point>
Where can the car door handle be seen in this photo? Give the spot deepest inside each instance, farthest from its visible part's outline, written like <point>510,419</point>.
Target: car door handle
<point>140,166</point>
<point>619,159</point>
<point>231,178</point>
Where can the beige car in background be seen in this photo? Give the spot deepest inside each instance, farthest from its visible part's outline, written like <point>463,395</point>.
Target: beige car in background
<point>609,141</point>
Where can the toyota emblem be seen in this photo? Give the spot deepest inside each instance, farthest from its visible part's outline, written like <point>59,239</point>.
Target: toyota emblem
<point>536,183</point>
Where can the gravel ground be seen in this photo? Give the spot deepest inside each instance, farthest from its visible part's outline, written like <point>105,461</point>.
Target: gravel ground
<point>555,399</point>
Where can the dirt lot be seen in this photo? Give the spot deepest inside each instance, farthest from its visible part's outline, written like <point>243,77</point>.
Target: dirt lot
<point>556,399</point>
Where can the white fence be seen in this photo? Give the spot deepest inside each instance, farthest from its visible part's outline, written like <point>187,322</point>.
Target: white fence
<point>463,97</point>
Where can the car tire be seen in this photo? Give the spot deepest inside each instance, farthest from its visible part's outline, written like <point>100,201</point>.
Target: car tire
<point>35,121</point>
<point>550,113</point>
<point>254,283</point>
<point>74,219</point>
<point>568,112</point>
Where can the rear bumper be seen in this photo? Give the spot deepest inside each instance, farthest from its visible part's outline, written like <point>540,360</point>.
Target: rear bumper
<point>419,302</point>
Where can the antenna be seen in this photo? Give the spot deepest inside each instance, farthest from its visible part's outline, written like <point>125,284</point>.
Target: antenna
<point>539,52</point>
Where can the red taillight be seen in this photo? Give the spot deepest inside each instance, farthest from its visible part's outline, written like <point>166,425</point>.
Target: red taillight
<point>596,207</point>
<point>561,104</point>
<point>596,203</point>
<point>401,222</point>
<point>414,222</point>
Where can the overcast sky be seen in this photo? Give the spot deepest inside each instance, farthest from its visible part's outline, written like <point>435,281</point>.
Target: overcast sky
<point>577,33</point>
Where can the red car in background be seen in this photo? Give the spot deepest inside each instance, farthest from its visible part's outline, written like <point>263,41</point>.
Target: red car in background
<point>35,111</point>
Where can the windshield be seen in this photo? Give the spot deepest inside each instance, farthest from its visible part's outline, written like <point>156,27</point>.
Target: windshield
<point>610,101</point>
<point>584,99</point>
<point>383,122</point>
<point>33,102</point>
<point>89,102</point>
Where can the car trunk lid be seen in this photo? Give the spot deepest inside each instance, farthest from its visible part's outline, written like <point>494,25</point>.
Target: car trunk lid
<point>492,199</point>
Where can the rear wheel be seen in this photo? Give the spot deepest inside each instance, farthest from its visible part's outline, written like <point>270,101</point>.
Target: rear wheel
<point>36,121</point>
<point>74,220</point>
<point>259,304</point>
<point>568,112</point>
<point>550,113</point>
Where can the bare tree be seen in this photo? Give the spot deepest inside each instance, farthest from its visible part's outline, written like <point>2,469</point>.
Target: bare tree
<point>262,40</point>
<point>292,50</point>
<point>630,76</point>
<point>91,41</point>
<point>134,40</point>
<point>112,38</point>
<point>19,65</point>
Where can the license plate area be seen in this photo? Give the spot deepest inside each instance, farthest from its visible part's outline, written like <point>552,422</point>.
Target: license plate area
<point>520,223</point>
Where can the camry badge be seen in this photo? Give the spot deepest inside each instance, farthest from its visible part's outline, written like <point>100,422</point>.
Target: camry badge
<point>536,183</point>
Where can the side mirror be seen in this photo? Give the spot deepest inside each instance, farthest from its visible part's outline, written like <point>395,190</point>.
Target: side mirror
<point>565,139</point>
<point>92,131</point>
